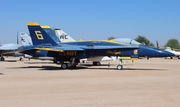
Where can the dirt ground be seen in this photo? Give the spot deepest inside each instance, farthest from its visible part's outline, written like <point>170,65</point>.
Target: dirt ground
<point>36,83</point>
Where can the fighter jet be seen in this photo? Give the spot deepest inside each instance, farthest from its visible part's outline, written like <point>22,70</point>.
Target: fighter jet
<point>143,51</point>
<point>10,49</point>
<point>46,43</point>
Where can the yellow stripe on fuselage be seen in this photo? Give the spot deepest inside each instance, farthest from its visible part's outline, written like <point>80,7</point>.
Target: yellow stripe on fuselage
<point>32,24</point>
<point>134,58</point>
<point>128,58</point>
<point>115,42</point>
<point>49,49</point>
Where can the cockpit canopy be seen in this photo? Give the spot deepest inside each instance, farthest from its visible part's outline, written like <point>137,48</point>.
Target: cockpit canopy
<point>127,40</point>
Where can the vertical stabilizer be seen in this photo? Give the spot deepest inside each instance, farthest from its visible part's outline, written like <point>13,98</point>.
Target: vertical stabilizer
<point>63,36</point>
<point>25,39</point>
<point>42,35</point>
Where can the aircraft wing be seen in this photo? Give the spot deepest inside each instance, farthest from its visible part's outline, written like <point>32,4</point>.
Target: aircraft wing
<point>2,48</point>
<point>5,49</point>
<point>8,47</point>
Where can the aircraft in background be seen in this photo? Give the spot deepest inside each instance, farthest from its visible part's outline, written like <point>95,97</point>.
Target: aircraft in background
<point>177,54</point>
<point>27,41</point>
<point>63,36</point>
<point>9,50</point>
<point>46,43</point>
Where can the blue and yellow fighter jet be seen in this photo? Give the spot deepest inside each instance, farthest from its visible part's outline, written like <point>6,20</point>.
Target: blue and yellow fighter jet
<point>46,43</point>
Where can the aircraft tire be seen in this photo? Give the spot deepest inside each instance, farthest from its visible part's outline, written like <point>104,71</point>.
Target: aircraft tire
<point>2,59</point>
<point>97,63</point>
<point>54,61</point>
<point>20,59</point>
<point>64,66</point>
<point>94,63</point>
<point>119,67</point>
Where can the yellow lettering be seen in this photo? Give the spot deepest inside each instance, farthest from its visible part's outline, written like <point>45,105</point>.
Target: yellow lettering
<point>39,35</point>
<point>68,53</point>
<point>113,52</point>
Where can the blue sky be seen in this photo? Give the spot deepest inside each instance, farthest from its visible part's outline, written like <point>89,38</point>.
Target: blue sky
<point>94,19</point>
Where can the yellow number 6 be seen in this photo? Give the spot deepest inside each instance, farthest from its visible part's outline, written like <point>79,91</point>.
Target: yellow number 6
<point>39,35</point>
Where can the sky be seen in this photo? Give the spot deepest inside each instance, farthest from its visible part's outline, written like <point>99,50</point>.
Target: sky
<point>93,19</point>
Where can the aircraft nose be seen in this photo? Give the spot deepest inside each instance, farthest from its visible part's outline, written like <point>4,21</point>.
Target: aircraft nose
<point>145,51</point>
<point>164,53</point>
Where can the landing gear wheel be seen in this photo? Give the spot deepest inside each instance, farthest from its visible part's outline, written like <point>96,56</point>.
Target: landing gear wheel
<point>178,57</point>
<point>97,63</point>
<point>119,67</point>
<point>20,59</point>
<point>2,59</point>
<point>64,66</point>
<point>94,63</point>
<point>54,61</point>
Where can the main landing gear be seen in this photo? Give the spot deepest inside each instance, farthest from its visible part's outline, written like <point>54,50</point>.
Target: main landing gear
<point>68,64</point>
<point>2,58</point>
<point>120,65</point>
<point>64,65</point>
<point>97,63</point>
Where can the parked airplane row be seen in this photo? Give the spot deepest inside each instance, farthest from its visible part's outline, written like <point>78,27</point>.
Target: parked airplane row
<point>63,49</point>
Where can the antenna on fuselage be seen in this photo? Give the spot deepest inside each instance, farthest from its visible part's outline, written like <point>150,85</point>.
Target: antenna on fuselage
<point>17,38</point>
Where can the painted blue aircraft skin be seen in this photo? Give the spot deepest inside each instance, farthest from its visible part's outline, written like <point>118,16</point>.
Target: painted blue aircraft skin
<point>147,51</point>
<point>85,51</point>
<point>143,50</point>
<point>45,45</point>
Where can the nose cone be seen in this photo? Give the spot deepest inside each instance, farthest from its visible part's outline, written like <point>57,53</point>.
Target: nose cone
<point>163,53</point>
<point>146,51</point>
